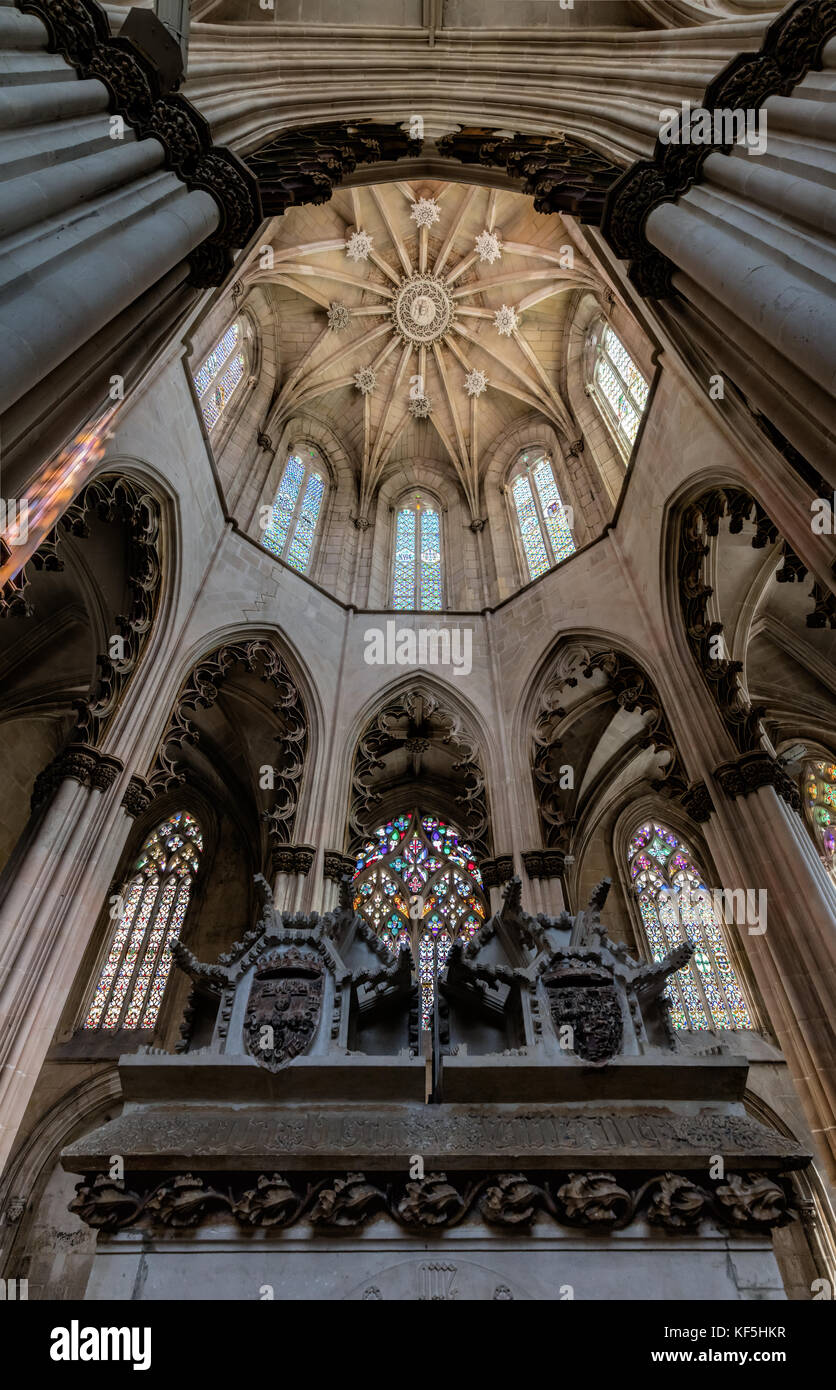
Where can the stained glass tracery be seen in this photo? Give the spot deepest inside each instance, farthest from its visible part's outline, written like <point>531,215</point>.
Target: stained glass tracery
<point>676,905</point>
<point>541,516</point>
<point>820,802</point>
<point>220,375</point>
<point>291,528</point>
<point>621,385</point>
<point>154,901</point>
<point>417,882</point>
<point>417,575</point>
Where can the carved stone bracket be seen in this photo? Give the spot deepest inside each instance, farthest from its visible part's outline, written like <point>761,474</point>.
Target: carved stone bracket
<point>80,32</point>
<point>81,763</point>
<point>497,871</point>
<point>598,1201</point>
<point>201,689</point>
<point>561,173</point>
<point>754,770</point>
<point>792,47</point>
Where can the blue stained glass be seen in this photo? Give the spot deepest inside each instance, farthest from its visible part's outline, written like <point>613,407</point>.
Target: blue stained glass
<point>275,534</point>
<point>216,400</point>
<point>535,551</point>
<point>299,554</point>
<point>430,562</point>
<point>404,589</point>
<point>216,359</point>
<point>557,526</point>
<point>621,384</point>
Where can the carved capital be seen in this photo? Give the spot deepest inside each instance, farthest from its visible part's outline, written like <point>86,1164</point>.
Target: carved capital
<point>696,802</point>
<point>497,871</point>
<point>544,863</point>
<point>752,771</point>
<point>138,796</point>
<point>336,866</point>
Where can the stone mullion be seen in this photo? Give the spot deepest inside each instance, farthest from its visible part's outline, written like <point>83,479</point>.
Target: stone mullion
<point>90,994</point>
<point>140,955</point>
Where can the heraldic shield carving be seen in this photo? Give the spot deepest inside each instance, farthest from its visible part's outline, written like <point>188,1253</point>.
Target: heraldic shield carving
<point>283,1008</point>
<point>587,1001</point>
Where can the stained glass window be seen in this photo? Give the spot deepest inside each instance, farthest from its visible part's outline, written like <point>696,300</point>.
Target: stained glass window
<point>417,882</point>
<point>820,805</point>
<point>293,518</point>
<point>620,385</point>
<point>153,904</point>
<point>544,527</point>
<point>416,581</point>
<point>221,374</point>
<point>676,906</point>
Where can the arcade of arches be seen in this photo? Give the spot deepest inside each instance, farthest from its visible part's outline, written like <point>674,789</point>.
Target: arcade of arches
<point>419,675</point>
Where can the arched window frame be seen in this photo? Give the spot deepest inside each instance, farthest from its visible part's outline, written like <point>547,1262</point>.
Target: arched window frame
<point>525,466</point>
<point>605,348</point>
<point>390,878</point>
<point>720,952</point>
<point>132,975</point>
<point>210,375</point>
<point>818,795</point>
<point>314,465</point>
<point>418,502</point>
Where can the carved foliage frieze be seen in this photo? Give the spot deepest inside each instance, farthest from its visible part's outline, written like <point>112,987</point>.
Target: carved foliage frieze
<point>598,1201</point>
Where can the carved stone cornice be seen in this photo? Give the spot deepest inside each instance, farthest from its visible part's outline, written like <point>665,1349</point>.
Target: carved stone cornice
<point>752,771</point>
<point>80,32</point>
<point>292,859</point>
<point>137,797</point>
<point>544,863</point>
<point>337,866</point>
<point>755,1202</point>
<point>497,871</point>
<point>79,762</point>
<point>792,47</point>
<point>305,166</point>
<point>560,172</point>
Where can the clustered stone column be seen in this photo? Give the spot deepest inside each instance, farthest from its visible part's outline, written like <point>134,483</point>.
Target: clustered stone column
<point>745,242</point>
<point>73,850</point>
<point>135,211</point>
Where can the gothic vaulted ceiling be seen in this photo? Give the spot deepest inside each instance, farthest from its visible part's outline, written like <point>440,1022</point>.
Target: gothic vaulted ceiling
<point>422,320</point>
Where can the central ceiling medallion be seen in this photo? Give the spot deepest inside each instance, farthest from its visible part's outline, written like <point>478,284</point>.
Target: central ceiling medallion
<point>423,310</point>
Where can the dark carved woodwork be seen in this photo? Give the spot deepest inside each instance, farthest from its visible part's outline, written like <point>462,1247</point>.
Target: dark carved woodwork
<point>792,47</point>
<point>753,1202</point>
<point>201,689</point>
<point>561,173</point>
<point>80,32</point>
<point>305,166</point>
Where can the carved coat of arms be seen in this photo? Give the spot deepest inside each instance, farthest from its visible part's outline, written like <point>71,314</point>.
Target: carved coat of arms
<point>283,1008</point>
<point>587,1001</point>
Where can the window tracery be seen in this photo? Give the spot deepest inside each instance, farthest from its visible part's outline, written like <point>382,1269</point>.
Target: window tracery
<point>297,508</point>
<point>676,905</point>
<point>416,883</point>
<point>819,787</point>
<point>221,373</point>
<point>618,387</point>
<point>154,902</point>
<point>417,571</point>
<point>543,522</point>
